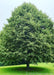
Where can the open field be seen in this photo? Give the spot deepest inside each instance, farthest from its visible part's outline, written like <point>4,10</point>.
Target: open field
<point>40,69</point>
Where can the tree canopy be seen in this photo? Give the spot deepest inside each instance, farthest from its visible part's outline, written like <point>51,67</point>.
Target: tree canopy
<point>27,38</point>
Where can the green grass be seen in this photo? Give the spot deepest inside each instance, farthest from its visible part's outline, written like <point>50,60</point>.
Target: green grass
<point>40,69</point>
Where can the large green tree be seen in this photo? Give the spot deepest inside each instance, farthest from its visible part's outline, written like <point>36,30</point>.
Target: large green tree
<point>27,38</point>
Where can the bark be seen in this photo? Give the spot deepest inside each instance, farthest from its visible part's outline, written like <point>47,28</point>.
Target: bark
<point>27,65</point>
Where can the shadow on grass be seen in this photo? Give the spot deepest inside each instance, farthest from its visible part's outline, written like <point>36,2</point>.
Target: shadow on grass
<point>31,69</point>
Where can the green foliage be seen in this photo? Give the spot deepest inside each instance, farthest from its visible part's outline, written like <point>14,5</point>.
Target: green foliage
<point>27,38</point>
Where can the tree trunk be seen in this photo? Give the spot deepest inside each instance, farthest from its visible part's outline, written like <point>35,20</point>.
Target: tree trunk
<point>27,65</point>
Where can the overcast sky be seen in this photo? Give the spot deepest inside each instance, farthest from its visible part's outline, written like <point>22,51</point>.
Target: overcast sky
<point>7,6</point>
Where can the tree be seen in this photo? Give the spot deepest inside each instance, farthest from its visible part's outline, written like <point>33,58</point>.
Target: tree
<point>25,37</point>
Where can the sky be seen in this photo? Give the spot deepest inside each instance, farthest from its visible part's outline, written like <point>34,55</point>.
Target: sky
<point>7,6</point>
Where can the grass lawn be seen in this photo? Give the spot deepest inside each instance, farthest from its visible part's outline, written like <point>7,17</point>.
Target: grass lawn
<point>40,69</point>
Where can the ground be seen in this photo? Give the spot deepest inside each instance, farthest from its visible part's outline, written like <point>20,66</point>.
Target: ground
<point>40,69</point>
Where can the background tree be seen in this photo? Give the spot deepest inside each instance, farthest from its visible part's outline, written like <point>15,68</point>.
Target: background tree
<point>26,37</point>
